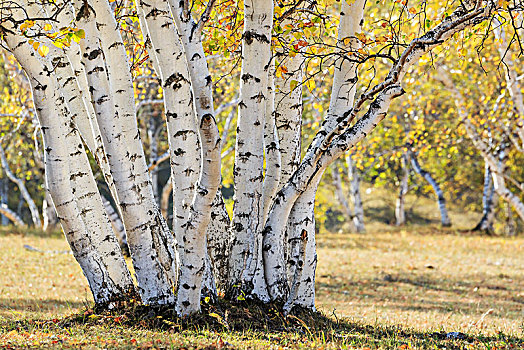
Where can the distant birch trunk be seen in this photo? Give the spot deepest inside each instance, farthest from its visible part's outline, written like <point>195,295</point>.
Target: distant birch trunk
<point>400,210</point>
<point>354,195</point>
<point>35,213</point>
<point>12,216</point>
<point>339,192</point>
<point>444,217</point>
<point>489,199</point>
<point>494,160</point>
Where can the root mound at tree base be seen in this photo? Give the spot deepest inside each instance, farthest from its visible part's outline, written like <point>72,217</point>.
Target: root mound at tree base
<point>221,315</point>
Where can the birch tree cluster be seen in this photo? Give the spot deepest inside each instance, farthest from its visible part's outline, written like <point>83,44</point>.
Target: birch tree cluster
<point>256,98</point>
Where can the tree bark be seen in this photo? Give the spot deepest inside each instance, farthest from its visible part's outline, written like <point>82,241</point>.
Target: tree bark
<point>151,244</point>
<point>354,195</point>
<point>444,217</point>
<point>105,271</point>
<point>246,268</point>
<point>35,213</point>
<point>12,216</point>
<point>488,204</point>
<point>400,211</point>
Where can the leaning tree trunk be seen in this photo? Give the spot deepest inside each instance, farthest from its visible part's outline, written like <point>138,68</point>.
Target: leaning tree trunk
<point>104,269</point>
<point>494,160</point>
<point>301,227</point>
<point>11,216</point>
<point>35,214</point>
<point>444,217</point>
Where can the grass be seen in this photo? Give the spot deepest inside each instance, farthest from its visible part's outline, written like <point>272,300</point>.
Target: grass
<point>386,289</point>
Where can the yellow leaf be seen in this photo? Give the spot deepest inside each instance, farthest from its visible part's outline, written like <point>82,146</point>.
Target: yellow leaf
<point>48,26</point>
<point>27,24</point>
<point>35,45</point>
<point>43,50</point>
<point>412,10</point>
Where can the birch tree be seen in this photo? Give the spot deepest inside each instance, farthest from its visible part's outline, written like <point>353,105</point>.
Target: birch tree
<point>84,94</point>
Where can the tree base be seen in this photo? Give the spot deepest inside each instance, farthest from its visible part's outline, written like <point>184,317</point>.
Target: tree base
<point>219,316</point>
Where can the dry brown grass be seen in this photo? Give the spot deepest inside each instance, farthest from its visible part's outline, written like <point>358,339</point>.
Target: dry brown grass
<point>424,281</point>
<point>427,282</point>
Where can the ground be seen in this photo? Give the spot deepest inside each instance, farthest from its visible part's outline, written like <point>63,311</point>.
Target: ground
<point>402,288</point>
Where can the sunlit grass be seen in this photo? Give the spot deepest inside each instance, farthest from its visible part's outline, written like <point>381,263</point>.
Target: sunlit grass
<point>396,288</point>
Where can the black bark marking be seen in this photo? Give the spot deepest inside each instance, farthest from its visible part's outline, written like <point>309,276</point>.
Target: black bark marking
<point>251,35</point>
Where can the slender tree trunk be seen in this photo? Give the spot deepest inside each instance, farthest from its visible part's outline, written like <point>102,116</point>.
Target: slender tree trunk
<point>167,192</point>
<point>511,226</point>
<point>489,198</point>
<point>11,216</point>
<point>339,192</point>
<point>4,190</point>
<point>302,259</point>
<point>354,195</point>
<point>35,213</point>
<point>400,211</point>
<point>444,217</point>
<point>48,212</point>
<point>152,133</point>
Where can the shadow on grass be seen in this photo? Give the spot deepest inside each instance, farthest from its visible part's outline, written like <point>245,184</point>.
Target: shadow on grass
<point>267,322</point>
<point>434,293</point>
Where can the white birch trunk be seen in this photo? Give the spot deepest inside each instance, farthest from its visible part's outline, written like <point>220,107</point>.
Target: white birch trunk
<point>73,81</point>
<point>12,216</point>
<point>489,198</point>
<point>288,115</point>
<point>106,273</point>
<point>271,149</point>
<point>167,192</point>
<point>246,268</point>
<point>344,86</point>
<point>151,244</point>
<point>339,192</point>
<point>35,213</point>
<point>400,210</point>
<point>444,217</point>
<point>48,213</point>
<point>184,148</point>
<point>354,195</point>
<point>302,259</point>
